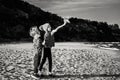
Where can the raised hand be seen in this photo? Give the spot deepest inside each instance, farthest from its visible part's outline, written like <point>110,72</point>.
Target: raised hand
<point>66,20</point>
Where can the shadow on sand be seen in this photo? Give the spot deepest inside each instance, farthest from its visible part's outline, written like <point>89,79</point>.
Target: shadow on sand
<point>78,76</point>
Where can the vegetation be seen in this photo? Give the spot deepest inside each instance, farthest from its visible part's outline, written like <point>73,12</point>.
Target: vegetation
<point>17,16</point>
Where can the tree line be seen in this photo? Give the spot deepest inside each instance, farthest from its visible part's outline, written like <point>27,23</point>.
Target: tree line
<point>17,16</point>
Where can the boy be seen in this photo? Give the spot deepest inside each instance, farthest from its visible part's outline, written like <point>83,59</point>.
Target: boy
<point>37,43</point>
<point>48,43</point>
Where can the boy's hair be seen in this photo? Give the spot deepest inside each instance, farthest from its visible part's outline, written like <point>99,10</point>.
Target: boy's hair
<point>34,30</point>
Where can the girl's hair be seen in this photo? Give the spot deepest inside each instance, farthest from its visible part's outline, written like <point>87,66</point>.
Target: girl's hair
<point>45,26</point>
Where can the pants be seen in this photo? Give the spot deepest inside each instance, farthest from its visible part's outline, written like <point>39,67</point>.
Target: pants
<point>46,54</point>
<point>37,59</point>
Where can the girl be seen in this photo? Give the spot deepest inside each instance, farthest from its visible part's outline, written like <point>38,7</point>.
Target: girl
<point>48,43</point>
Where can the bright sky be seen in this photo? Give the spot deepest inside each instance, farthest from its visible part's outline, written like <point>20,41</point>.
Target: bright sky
<point>100,10</point>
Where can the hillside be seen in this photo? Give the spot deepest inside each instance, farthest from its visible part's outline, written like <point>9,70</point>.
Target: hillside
<point>17,16</point>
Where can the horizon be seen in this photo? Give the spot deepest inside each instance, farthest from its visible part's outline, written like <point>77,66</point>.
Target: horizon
<point>95,10</point>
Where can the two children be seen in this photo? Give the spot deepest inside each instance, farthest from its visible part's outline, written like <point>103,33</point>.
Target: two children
<point>44,45</point>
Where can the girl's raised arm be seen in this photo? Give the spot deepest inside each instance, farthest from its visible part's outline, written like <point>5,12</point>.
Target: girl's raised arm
<point>55,30</point>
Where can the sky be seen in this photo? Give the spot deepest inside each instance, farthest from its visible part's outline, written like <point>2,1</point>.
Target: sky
<point>96,10</point>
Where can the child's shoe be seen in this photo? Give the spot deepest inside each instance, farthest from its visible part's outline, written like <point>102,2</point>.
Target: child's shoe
<point>35,76</point>
<point>49,73</point>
